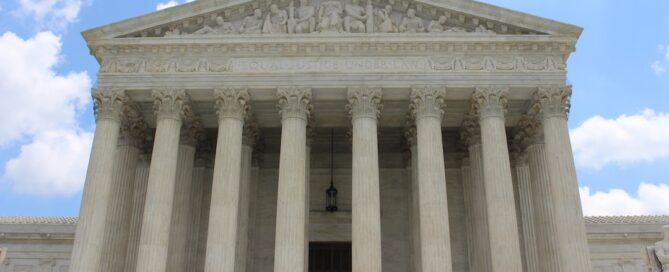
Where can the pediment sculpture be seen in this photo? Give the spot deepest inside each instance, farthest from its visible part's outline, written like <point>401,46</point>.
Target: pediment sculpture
<point>328,16</point>
<point>657,256</point>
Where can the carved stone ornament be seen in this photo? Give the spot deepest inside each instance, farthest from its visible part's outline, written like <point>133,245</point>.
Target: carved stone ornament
<point>455,63</point>
<point>109,103</point>
<point>171,103</point>
<point>657,256</point>
<point>364,102</point>
<point>134,131</point>
<point>330,16</point>
<point>410,132</point>
<point>553,101</point>
<point>232,103</point>
<point>192,132</point>
<point>470,132</point>
<point>294,102</point>
<point>427,101</point>
<point>490,101</point>
<point>251,133</point>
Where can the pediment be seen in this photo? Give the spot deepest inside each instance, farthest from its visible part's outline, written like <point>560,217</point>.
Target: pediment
<point>257,17</point>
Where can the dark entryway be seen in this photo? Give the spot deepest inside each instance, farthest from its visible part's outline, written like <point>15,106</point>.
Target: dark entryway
<point>330,257</point>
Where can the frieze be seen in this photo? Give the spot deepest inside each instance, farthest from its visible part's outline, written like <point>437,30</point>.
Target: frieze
<point>473,63</point>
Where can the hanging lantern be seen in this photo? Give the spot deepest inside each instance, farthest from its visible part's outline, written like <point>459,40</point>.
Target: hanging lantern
<point>331,193</point>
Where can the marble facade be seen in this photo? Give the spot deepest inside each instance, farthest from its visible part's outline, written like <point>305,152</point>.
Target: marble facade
<point>451,118</point>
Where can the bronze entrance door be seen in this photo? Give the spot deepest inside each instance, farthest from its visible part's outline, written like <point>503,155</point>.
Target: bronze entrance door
<point>330,257</point>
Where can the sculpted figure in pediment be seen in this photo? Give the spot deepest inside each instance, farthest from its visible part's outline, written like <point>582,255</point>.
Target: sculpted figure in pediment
<point>662,250</point>
<point>276,20</point>
<point>384,24</point>
<point>174,30</point>
<point>330,14</point>
<point>482,29</point>
<point>252,24</point>
<point>220,27</point>
<point>305,21</point>
<point>438,25</point>
<point>412,23</point>
<point>356,18</point>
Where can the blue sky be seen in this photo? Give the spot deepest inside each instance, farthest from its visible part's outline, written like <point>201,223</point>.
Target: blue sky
<point>619,119</point>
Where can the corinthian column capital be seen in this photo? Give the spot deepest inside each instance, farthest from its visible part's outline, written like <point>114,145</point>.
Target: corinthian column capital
<point>490,101</point>
<point>109,103</point>
<point>427,101</point>
<point>232,103</point>
<point>294,102</point>
<point>470,132</point>
<point>553,101</point>
<point>171,103</point>
<point>192,133</point>
<point>251,134</point>
<point>364,102</point>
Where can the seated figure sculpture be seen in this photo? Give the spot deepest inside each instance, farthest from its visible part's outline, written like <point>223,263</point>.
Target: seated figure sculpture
<point>662,250</point>
<point>438,25</point>
<point>355,17</point>
<point>305,21</point>
<point>252,24</point>
<point>384,24</point>
<point>412,23</point>
<point>482,29</point>
<point>275,22</point>
<point>330,14</point>
<point>220,27</point>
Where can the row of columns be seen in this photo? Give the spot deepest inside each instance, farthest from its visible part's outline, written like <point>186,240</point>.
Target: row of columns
<point>550,214</point>
<point>540,228</point>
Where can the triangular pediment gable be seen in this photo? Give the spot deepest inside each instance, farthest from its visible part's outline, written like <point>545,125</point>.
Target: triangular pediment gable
<point>463,16</point>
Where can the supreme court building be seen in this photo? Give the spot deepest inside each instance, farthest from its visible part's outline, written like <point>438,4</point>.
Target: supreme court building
<point>442,124</point>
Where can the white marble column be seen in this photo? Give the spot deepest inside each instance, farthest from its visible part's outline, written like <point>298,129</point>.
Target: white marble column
<point>477,208</point>
<point>196,209</point>
<point>248,141</point>
<point>554,105</point>
<point>138,197</point>
<point>427,107</point>
<point>545,223</point>
<point>364,109</point>
<point>204,217</point>
<point>410,135</point>
<point>87,252</point>
<point>170,106</point>
<point>119,211</point>
<point>292,219</point>
<point>525,202</point>
<point>253,208</point>
<point>490,104</point>
<point>232,106</point>
<point>182,203</point>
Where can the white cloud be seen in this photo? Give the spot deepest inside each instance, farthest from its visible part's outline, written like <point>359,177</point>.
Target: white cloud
<point>41,107</point>
<point>598,141</point>
<point>53,164</point>
<point>170,4</point>
<point>660,66</point>
<point>651,200</point>
<point>53,14</point>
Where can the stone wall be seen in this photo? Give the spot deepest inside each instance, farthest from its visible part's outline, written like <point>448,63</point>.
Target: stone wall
<point>43,244</point>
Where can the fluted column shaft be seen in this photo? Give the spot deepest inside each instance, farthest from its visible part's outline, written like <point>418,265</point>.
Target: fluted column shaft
<point>120,202</point>
<point>524,179</point>
<point>204,218</point>
<point>414,205</point>
<point>364,108</point>
<point>87,252</point>
<point>245,198</point>
<point>574,252</point>
<point>181,211</point>
<point>428,109</point>
<point>197,188</point>
<point>232,106</point>
<point>490,104</point>
<point>476,209</point>
<point>292,219</point>
<point>138,197</point>
<point>154,242</point>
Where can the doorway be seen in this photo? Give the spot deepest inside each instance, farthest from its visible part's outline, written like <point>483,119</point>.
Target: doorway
<point>330,257</point>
